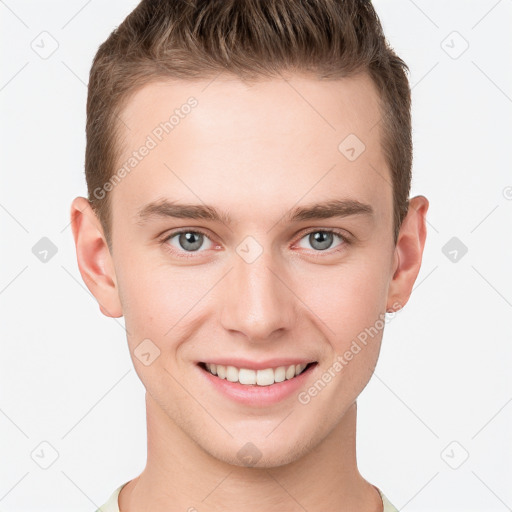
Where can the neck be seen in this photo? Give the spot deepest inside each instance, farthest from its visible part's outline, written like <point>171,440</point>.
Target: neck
<point>180,475</point>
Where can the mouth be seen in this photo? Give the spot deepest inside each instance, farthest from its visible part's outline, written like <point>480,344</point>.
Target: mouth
<point>257,378</point>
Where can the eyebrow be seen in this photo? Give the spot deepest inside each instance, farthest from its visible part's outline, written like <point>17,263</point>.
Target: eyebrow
<point>324,210</point>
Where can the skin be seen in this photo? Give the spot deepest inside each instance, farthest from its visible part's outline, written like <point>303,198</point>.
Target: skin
<point>255,151</point>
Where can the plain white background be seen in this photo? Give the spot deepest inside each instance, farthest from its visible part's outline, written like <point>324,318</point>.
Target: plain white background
<point>435,420</point>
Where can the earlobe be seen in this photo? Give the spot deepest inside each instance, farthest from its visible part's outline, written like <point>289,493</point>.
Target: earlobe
<point>94,258</point>
<point>408,253</point>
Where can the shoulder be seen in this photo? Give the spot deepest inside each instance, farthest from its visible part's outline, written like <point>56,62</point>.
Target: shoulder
<point>388,506</point>
<point>111,505</point>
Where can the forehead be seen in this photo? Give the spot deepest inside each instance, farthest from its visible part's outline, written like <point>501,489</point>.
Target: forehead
<point>264,144</point>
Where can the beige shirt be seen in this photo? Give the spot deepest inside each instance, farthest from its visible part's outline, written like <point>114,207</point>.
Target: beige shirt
<point>112,504</point>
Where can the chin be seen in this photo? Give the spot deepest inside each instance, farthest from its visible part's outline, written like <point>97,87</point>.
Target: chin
<point>259,454</point>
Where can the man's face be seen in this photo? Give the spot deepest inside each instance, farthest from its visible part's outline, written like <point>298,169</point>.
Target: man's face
<point>263,286</point>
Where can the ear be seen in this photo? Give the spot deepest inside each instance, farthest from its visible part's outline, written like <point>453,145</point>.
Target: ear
<point>408,253</point>
<point>94,258</point>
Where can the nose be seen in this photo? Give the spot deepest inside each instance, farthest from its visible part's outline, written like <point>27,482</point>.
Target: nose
<point>257,300</point>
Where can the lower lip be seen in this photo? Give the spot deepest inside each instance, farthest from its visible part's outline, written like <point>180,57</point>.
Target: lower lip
<point>258,396</point>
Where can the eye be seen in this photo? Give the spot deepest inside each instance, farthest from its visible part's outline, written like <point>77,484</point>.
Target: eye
<point>322,239</point>
<point>188,241</point>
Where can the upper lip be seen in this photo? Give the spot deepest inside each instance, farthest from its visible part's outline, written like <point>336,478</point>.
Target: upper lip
<point>259,365</point>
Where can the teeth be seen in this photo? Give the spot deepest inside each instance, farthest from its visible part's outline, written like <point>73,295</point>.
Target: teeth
<point>247,376</point>
<point>264,377</point>
<point>231,374</point>
<point>291,372</point>
<point>221,371</point>
<point>280,374</point>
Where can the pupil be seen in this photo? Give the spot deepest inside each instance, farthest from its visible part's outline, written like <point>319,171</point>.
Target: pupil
<point>322,238</point>
<point>188,238</point>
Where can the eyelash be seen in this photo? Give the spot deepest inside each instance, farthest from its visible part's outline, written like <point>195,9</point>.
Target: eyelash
<point>316,254</point>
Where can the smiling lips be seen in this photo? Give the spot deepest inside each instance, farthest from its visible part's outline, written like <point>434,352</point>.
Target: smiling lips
<point>259,377</point>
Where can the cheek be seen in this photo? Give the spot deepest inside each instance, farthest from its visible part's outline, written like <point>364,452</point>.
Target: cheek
<point>351,298</point>
<point>352,311</point>
<point>153,300</point>
<point>349,309</point>
<point>154,309</point>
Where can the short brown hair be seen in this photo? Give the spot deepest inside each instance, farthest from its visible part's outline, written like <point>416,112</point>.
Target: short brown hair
<point>251,39</point>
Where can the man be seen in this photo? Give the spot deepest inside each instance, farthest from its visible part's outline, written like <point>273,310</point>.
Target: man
<point>248,166</point>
